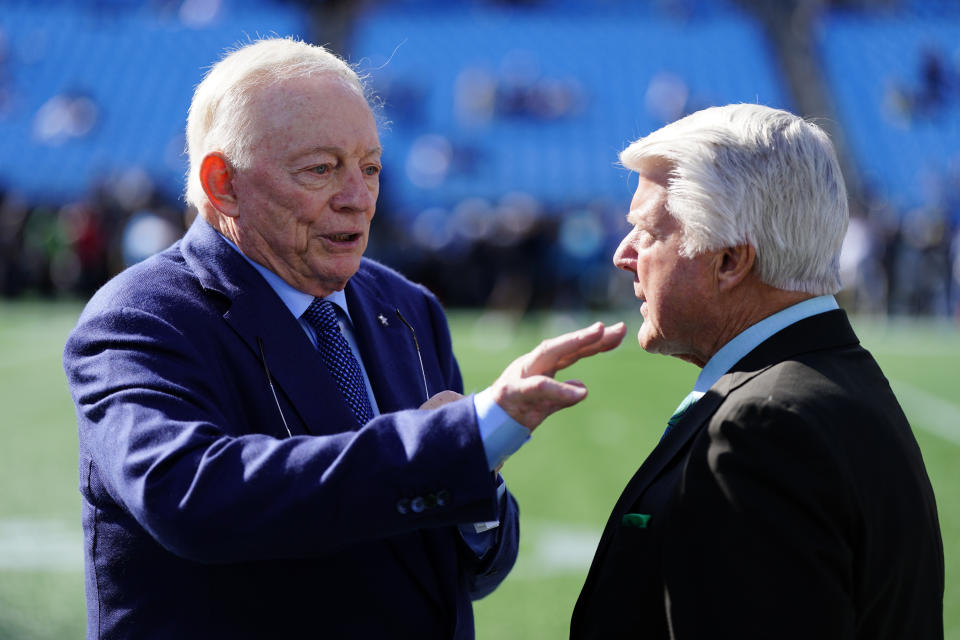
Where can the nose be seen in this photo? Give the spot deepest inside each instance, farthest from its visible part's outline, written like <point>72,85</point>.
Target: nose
<point>625,257</point>
<point>354,192</point>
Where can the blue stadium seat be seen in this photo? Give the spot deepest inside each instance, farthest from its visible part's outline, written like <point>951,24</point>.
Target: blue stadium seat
<point>901,142</point>
<point>137,64</point>
<point>416,61</point>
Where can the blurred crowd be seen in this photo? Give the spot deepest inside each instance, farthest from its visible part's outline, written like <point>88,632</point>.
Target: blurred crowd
<point>514,254</point>
<point>70,249</point>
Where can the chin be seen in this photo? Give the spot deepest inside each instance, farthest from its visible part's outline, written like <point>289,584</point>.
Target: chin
<point>651,341</point>
<point>647,343</point>
<point>337,273</point>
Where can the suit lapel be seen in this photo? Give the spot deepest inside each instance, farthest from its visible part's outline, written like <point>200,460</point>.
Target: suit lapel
<point>666,450</point>
<point>255,312</point>
<point>386,346</point>
<point>296,366</point>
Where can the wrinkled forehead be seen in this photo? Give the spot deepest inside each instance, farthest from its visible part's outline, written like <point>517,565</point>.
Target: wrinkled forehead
<point>316,110</point>
<point>320,91</point>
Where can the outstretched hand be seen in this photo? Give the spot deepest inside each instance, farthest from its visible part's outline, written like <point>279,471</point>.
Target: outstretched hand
<point>527,389</point>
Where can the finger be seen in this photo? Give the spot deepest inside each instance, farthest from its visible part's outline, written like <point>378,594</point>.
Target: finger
<point>610,338</point>
<point>544,391</point>
<point>530,400</point>
<point>547,354</point>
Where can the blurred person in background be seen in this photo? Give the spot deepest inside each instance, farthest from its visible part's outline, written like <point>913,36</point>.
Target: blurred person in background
<point>788,497</point>
<point>255,461</point>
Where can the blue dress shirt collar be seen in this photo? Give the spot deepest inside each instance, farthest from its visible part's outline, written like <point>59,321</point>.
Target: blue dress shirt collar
<point>750,338</point>
<point>295,300</point>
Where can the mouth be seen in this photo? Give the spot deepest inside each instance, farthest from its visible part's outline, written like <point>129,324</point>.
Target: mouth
<point>643,305</point>
<point>342,240</point>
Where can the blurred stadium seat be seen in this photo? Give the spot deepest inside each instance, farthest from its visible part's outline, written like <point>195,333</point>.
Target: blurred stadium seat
<point>895,83</point>
<point>490,101</point>
<point>90,89</point>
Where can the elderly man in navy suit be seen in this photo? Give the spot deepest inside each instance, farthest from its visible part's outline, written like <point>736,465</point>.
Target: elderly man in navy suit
<point>788,497</point>
<point>255,461</point>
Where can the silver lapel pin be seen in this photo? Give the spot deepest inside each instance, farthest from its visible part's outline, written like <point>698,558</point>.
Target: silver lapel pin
<point>383,319</point>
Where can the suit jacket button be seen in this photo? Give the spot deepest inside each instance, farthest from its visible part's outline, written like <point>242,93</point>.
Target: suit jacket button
<point>417,505</point>
<point>403,505</point>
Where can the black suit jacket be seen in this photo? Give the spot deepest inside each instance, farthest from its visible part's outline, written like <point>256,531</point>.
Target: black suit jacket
<point>791,501</point>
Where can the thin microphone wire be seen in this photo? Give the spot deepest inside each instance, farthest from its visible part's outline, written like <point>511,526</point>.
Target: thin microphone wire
<point>416,344</point>
<point>263,359</point>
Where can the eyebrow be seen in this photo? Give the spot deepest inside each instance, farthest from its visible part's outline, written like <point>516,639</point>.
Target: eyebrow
<point>335,151</point>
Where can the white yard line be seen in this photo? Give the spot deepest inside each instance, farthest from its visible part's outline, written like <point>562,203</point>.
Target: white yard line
<point>551,548</point>
<point>929,412</point>
<point>40,545</point>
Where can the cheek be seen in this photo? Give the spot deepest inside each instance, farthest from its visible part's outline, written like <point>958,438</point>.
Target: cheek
<point>294,219</point>
<point>270,191</point>
<point>661,287</point>
<point>651,273</point>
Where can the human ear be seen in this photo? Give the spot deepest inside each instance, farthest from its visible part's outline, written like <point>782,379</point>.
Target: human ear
<point>216,176</point>
<point>734,265</point>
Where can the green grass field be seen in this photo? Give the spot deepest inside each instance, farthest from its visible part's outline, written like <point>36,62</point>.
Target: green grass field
<point>566,479</point>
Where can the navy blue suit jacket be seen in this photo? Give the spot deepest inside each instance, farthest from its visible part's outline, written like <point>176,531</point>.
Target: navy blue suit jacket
<point>202,518</point>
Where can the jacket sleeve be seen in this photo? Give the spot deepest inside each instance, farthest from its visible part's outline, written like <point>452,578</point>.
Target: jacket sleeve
<point>160,439</point>
<point>488,572</point>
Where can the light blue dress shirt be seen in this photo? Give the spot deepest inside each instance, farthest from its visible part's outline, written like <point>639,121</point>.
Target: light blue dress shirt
<point>747,340</point>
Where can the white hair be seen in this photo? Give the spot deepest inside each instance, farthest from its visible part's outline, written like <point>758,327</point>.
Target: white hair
<point>219,118</point>
<point>750,174</point>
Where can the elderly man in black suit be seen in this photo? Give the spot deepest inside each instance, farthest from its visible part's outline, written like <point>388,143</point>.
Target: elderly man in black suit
<point>788,497</point>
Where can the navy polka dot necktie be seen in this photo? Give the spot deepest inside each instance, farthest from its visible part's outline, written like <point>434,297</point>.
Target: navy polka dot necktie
<point>338,357</point>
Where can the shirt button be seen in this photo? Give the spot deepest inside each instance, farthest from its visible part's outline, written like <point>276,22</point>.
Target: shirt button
<point>417,505</point>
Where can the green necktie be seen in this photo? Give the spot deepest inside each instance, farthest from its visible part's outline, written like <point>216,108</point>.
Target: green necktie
<point>687,402</point>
